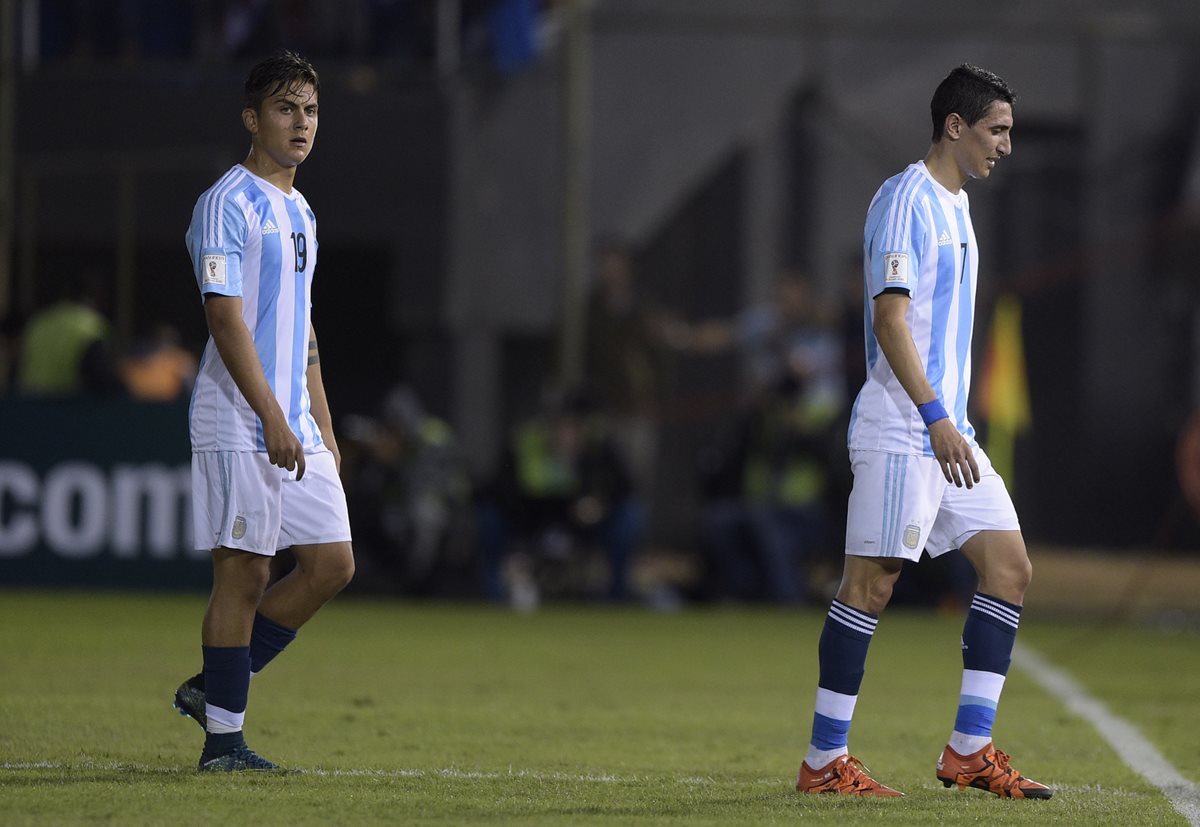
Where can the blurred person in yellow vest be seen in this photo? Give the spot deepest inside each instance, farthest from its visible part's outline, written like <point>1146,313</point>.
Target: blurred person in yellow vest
<point>561,486</point>
<point>65,349</point>
<point>766,512</point>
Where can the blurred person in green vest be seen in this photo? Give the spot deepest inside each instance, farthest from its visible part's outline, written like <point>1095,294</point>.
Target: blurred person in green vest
<point>766,514</point>
<point>66,345</point>
<point>562,485</point>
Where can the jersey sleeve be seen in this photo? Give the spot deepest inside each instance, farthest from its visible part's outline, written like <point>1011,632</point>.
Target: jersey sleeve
<point>216,239</point>
<point>898,242</point>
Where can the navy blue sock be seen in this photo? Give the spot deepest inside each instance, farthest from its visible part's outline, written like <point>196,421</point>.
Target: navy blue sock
<point>843,657</point>
<point>989,634</point>
<point>987,643</point>
<point>226,687</point>
<point>268,640</point>
<point>222,743</point>
<point>843,648</point>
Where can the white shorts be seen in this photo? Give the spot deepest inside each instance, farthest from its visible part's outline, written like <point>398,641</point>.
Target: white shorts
<point>901,504</point>
<point>240,500</point>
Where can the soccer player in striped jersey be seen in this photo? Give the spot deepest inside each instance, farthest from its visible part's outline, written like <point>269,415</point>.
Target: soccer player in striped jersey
<point>921,481</point>
<point>264,458</point>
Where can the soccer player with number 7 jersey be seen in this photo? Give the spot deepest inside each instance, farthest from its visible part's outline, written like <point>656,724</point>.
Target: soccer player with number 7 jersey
<point>265,462</point>
<point>921,481</point>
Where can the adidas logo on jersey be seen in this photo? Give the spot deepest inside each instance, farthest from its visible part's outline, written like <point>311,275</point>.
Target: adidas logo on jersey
<point>269,228</point>
<point>943,239</point>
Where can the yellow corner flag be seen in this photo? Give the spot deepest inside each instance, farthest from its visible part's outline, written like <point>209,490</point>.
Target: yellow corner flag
<point>1004,396</point>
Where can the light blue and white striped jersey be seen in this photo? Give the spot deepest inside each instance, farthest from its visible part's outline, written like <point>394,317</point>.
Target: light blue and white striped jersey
<point>918,237</point>
<point>250,239</point>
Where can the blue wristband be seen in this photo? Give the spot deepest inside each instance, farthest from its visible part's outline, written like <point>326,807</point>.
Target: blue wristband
<point>932,411</point>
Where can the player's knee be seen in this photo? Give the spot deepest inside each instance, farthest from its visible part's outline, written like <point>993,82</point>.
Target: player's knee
<point>1022,574</point>
<point>256,583</point>
<point>345,572</point>
<point>880,593</point>
<point>1010,581</point>
<point>245,585</point>
<point>871,595</point>
<point>869,586</point>
<point>335,574</point>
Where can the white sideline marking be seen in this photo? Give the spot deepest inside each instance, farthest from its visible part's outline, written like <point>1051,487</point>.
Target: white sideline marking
<point>1121,735</point>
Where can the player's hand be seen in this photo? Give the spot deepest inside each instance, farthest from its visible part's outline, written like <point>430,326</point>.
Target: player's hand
<point>953,454</point>
<point>283,448</point>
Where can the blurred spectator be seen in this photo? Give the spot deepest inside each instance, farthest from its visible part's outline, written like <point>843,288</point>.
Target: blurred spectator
<point>510,35</point>
<point>513,25</point>
<point>622,358</point>
<point>126,30</point>
<point>158,368</point>
<point>166,29</point>
<point>242,26</point>
<point>314,27</point>
<point>82,29</point>
<point>65,349</point>
<point>407,489</point>
<point>561,490</point>
<point>852,338</point>
<point>766,513</point>
<point>786,337</point>
<point>401,28</point>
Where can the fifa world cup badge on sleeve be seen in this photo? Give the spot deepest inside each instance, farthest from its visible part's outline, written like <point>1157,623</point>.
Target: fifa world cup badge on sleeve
<point>214,269</point>
<point>895,268</point>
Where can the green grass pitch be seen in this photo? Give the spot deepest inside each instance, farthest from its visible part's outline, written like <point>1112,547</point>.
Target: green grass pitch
<point>437,714</point>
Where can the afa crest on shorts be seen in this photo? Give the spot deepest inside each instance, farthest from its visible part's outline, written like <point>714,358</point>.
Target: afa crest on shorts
<point>912,536</point>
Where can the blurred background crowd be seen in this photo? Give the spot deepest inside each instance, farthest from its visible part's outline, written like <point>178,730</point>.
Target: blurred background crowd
<point>590,289</point>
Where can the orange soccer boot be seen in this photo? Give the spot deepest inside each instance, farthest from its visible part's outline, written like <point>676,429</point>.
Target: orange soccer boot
<point>987,770</point>
<point>844,775</point>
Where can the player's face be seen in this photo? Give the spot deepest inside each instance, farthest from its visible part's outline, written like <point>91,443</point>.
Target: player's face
<point>285,126</point>
<point>985,142</point>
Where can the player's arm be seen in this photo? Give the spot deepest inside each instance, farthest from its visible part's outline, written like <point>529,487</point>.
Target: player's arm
<point>318,402</point>
<point>890,324</point>
<point>234,343</point>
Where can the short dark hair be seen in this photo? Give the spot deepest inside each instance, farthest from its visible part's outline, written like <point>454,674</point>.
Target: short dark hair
<point>968,91</point>
<point>283,70</point>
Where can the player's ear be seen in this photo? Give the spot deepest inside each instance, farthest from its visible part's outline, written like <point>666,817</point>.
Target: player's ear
<point>250,120</point>
<point>954,126</point>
